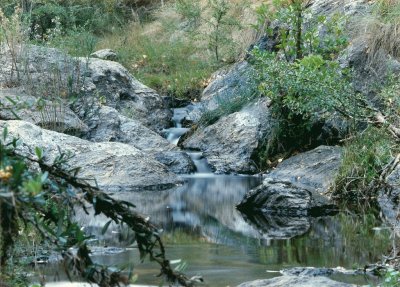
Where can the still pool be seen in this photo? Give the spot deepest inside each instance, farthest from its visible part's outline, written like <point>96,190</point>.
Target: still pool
<point>202,228</point>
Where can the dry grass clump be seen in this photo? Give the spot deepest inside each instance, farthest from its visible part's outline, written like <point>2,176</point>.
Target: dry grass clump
<point>382,31</point>
<point>166,56</point>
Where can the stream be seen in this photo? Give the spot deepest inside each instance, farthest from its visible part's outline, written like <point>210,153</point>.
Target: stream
<point>203,229</point>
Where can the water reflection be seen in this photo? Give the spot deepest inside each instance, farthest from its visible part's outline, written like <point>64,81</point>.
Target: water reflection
<point>202,227</point>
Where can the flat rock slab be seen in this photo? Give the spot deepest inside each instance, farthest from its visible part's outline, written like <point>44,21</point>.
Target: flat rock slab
<point>296,281</point>
<point>115,166</point>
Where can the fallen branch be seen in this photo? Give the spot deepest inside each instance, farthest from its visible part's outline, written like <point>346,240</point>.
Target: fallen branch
<point>146,234</point>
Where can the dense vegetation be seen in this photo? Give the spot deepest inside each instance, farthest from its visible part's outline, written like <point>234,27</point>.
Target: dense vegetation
<point>307,87</point>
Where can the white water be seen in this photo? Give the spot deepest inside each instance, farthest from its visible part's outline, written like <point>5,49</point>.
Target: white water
<point>174,134</point>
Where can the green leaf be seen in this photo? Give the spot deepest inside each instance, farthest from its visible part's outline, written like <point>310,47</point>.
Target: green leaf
<point>105,227</point>
<point>39,153</point>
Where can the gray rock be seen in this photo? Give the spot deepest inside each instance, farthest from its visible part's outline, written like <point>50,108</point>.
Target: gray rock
<point>296,186</point>
<point>296,281</point>
<point>105,54</point>
<point>115,166</point>
<point>229,143</point>
<point>110,84</point>
<point>367,74</point>
<point>349,8</point>
<point>15,105</point>
<point>389,199</point>
<point>225,86</point>
<point>98,82</point>
<point>37,68</point>
<point>177,162</point>
<point>111,126</point>
<point>313,271</point>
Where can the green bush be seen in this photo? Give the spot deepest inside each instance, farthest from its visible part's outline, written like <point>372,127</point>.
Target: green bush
<point>303,80</point>
<point>46,17</point>
<point>214,24</point>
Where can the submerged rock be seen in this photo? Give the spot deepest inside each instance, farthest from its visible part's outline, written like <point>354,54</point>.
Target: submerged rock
<point>296,281</point>
<point>297,186</point>
<point>115,166</point>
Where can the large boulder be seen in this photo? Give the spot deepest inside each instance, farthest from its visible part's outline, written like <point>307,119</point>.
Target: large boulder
<point>229,143</point>
<point>348,8</point>
<point>226,85</point>
<point>115,166</point>
<point>17,105</point>
<point>368,74</point>
<point>111,84</point>
<point>177,161</point>
<point>95,82</point>
<point>296,281</point>
<point>296,186</point>
<point>115,127</point>
<point>111,126</point>
<point>389,199</point>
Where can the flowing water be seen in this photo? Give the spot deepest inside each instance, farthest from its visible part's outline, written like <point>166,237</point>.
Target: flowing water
<point>203,228</point>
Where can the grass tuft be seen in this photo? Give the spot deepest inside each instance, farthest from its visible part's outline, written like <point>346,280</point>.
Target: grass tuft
<point>172,67</point>
<point>364,158</point>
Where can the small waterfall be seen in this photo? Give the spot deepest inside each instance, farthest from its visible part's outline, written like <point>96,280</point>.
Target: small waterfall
<point>174,134</point>
<point>199,161</point>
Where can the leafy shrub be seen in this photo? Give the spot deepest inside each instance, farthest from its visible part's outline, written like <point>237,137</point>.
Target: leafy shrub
<point>300,33</point>
<point>214,24</point>
<point>44,18</point>
<point>304,82</point>
<point>368,153</point>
